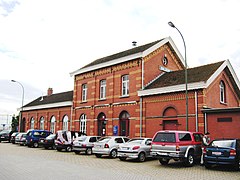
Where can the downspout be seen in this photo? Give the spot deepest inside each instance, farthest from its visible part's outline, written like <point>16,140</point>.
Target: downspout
<point>141,100</point>
<point>71,117</point>
<point>196,109</point>
<point>205,123</point>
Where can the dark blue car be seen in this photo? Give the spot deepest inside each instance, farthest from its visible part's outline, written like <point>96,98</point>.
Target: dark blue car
<point>223,152</point>
<point>33,137</point>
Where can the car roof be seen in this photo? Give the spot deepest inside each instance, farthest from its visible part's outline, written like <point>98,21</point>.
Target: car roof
<point>177,131</point>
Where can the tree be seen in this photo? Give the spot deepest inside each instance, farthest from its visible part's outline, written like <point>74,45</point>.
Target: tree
<point>15,121</point>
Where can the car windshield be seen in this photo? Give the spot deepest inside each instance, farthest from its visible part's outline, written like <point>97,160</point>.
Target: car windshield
<point>104,139</point>
<point>223,143</point>
<point>135,141</point>
<point>51,136</point>
<point>81,138</point>
<point>165,137</point>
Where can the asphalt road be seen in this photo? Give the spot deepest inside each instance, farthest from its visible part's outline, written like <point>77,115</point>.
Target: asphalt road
<point>23,163</point>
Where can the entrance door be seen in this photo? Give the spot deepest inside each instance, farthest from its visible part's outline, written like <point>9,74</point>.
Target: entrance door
<point>124,123</point>
<point>170,125</point>
<point>102,124</point>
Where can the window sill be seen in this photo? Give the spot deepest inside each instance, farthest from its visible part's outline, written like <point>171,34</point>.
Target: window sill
<point>83,102</point>
<point>103,99</point>
<point>125,96</point>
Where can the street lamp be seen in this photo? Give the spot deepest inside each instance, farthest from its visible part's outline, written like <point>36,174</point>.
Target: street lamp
<point>20,118</point>
<point>186,77</point>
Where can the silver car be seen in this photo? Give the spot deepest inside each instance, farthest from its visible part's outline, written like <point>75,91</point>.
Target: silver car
<point>108,146</point>
<point>84,144</point>
<point>137,148</point>
<point>21,139</point>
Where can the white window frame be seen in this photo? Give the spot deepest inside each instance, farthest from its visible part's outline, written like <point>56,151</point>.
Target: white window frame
<point>41,123</point>
<point>222,92</point>
<point>103,89</point>
<point>125,85</point>
<point>83,123</point>
<point>52,124</point>
<point>32,123</point>
<point>65,123</point>
<point>84,92</point>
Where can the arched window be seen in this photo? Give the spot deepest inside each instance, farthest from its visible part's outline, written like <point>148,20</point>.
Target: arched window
<point>65,122</point>
<point>32,123</point>
<point>42,123</point>
<point>83,123</point>
<point>222,92</point>
<point>52,125</point>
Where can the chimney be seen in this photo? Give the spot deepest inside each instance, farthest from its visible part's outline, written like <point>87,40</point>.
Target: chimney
<point>134,43</point>
<point>50,91</point>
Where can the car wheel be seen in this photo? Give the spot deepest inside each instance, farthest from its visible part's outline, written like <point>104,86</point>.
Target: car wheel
<point>54,147</point>
<point>122,158</point>
<point>113,153</point>
<point>190,159</point>
<point>35,144</point>
<point>207,166</point>
<point>46,147</point>
<point>88,151</point>
<point>68,149</point>
<point>59,149</point>
<point>98,155</point>
<point>163,161</point>
<point>237,165</point>
<point>141,157</point>
<point>77,152</point>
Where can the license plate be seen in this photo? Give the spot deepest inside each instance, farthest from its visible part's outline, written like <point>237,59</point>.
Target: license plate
<point>125,148</point>
<point>162,154</point>
<point>216,153</point>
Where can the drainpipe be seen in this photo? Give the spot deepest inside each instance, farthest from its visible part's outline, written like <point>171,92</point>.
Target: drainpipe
<point>205,122</point>
<point>71,117</point>
<point>141,99</point>
<point>196,109</point>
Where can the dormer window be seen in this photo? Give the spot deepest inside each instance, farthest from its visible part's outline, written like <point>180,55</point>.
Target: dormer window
<point>222,92</point>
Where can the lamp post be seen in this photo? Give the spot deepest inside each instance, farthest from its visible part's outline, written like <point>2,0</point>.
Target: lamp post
<point>20,118</point>
<point>186,76</point>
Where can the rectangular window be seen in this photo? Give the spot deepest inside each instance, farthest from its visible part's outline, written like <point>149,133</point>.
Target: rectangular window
<point>84,92</point>
<point>125,85</point>
<point>103,89</point>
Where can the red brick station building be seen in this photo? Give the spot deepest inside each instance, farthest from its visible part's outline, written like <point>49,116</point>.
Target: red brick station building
<point>140,91</point>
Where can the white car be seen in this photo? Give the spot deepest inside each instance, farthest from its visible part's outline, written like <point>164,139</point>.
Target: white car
<point>84,144</point>
<point>108,146</point>
<point>136,148</point>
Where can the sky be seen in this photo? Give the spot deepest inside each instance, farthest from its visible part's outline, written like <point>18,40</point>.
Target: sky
<point>43,41</point>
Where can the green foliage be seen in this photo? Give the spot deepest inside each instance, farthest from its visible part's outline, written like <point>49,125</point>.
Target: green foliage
<point>15,121</point>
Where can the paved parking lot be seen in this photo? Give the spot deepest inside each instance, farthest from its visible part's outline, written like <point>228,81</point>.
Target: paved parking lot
<point>23,163</point>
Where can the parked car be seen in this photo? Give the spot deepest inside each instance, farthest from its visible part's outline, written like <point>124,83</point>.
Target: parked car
<point>177,145</point>
<point>21,139</point>
<point>48,142</point>
<point>84,144</point>
<point>64,139</point>
<point>33,137</point>
<point>108,146</point>
<point>222,152</point>
<point>13,136</point>
<point>137,148</point>
<point>5,135</point>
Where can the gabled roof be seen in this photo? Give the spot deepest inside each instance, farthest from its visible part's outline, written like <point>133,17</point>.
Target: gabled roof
<point>137,52</point>
<point>54,100</point>
<point>198,78</point>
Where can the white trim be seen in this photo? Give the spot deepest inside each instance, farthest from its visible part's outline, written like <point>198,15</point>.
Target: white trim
<point>101,105</point>
<point>169,89</point>
<point>130,57</point>
<point>44,106</point>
